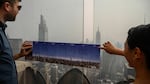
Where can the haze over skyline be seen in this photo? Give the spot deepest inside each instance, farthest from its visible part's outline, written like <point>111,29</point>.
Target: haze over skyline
<point>64,19</point>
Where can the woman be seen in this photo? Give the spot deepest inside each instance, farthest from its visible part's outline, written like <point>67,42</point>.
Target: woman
<point>136,51</point>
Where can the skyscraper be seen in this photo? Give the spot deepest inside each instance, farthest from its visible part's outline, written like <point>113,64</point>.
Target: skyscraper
<point>43,30</point>
<point>98,36</point>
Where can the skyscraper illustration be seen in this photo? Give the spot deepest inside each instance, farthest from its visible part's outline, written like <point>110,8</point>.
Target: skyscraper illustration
<point>98,36</point>
<point>43,30</point>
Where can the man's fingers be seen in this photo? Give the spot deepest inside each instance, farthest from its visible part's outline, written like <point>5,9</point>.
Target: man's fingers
<point>29,51</point>
<point>26,52</point>
<point>27,43</point>
<point>27,47</point>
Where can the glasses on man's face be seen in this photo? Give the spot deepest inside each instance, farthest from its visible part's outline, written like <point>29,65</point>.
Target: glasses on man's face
<point>19,7</point>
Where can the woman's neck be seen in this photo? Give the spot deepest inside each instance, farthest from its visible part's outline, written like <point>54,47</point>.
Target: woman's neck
<point>142,76</point>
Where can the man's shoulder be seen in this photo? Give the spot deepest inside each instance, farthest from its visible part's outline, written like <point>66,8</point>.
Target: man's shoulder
<point>0,28</point>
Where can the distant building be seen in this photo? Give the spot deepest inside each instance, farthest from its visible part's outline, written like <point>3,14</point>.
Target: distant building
<point>129,72</point>
<point>98,36</point>
<point>15,45</point>
<point>87,40</point>
<point>27,74</point>
<point>54,74</point>
<point>43,30</point>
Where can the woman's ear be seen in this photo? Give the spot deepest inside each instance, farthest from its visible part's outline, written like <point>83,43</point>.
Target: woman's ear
<point>138,54</point>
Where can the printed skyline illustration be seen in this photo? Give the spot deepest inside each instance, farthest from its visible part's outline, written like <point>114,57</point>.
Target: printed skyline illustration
<point>85,55</point>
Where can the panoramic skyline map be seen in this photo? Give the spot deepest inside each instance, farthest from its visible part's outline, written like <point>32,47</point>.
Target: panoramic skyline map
<point>67,53</point>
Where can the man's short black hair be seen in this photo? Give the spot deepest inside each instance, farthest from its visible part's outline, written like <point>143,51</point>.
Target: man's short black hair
<point>10,1</point>
<point>140,37</point>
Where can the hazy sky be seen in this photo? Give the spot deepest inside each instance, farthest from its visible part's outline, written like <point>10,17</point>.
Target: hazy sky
<point>64,19</point>
<point>115,17</point>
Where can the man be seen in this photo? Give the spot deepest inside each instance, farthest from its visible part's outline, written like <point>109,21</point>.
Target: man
<point>8,74</point>
<point>136,51</point>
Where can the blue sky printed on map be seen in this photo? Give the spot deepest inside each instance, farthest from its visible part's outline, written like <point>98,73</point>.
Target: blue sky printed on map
<point>67,51</point>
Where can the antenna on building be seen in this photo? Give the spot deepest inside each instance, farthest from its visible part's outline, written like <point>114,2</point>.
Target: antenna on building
<point>144,18</point>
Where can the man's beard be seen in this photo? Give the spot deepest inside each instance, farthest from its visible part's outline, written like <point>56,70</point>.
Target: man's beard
<point>10,17</point>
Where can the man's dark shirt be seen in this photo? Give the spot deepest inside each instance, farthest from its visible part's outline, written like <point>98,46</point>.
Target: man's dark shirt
<point>8,74</point>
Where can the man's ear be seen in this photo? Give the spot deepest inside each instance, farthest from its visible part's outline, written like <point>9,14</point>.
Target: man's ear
<point>7,6</point>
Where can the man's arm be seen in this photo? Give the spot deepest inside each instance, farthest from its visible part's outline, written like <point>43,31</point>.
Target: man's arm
<point>111,49</point>
<point>26,49</point>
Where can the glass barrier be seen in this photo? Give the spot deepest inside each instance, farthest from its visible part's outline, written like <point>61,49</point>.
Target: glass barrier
<point>76,21</point>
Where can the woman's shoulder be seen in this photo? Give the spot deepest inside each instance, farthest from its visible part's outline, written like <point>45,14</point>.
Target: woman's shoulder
<point>130,81</point>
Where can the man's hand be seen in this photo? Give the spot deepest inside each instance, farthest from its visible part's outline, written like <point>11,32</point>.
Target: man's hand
<point>26,49</point>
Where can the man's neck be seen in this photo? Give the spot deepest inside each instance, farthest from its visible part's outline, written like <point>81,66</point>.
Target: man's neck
<point>2,17</point>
